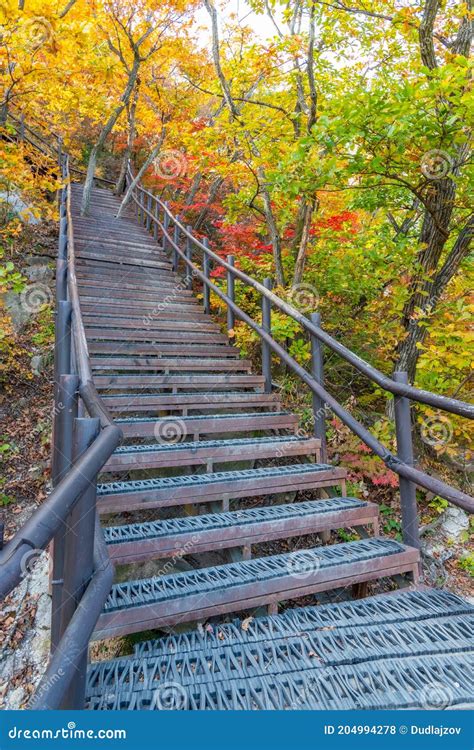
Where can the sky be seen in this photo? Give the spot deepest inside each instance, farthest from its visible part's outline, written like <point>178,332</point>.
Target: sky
<point>261,24</point>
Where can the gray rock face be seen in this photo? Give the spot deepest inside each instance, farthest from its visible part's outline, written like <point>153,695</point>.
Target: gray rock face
<point>39,273</point>
<point>33,651</point>
<point>37,364</point>
<point>19,314</point>
<point>19,207</point>
<point>454,522</point>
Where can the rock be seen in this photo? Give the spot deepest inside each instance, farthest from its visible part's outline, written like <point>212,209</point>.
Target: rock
<point>39,273</point>
<point>454,521</point>
<point>37,364</point>
<point>19,207</point>
<point>19,313</point>
<point>15,699</point>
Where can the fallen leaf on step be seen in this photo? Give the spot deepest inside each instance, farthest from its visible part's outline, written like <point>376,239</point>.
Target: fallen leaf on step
<point>246,623</point>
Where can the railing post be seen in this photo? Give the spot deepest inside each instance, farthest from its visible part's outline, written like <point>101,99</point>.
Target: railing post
<point>148,207</point>
<point>79,556</point>
<point>230,294</point>
<point>166,223</point>
<point>65,414</point>
<point>403,427</point>
<point>267,326</point>
<point>175,263</point>
<point>63,338</point>
<point>206,268</point>
<point>157,218</point>
<point>317,371</point>
<point>189,256</point>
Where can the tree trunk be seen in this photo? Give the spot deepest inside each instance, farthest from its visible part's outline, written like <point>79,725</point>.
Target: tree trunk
<point>105,132</point>
<point>152,155</point>
<point>409,352</point>
<point>215,187</point>
<point>120,185</point>
<point>301,257</point>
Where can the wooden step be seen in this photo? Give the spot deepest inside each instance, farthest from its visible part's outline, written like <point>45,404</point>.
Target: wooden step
<point>111,269</point>
<point>219,486</point>
<point>96,323</point>
<point>119,293</point>
<point>144,349</point>
<point>170,301</point>
<point>194,427</point>
<point>217,531</point>
<point>147,334</point>
<point>170,364</point>
<point>183,597</point>
<point>121,284</point>
<point>129,261</point>
<point>185,402</point>
<point>209,452</point>
<point>176,383</point>
<point>161,311</point>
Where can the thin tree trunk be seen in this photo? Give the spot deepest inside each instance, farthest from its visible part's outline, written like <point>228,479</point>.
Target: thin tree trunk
<point>152,155</point>
<point>215,187</point>
<point>106,130</point>
<point>120,185</point>
<point>302,251</point>
<point>409,351</point>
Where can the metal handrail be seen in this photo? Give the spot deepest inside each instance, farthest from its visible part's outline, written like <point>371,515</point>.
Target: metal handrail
<point>46,522</point>
<point>444,403</point>
<point>400,390</point>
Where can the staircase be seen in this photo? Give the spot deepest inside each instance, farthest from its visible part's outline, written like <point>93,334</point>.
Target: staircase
<point>215,487</point>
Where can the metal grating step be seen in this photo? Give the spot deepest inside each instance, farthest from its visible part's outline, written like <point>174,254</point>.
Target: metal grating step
<point>217,486</point>
<point>210,452</point>
<point>217,477</point>
<point>205,400</point>
<point>399,606</point>
<point>400,683</point>
<point>144,604</point>
<point>136,593</point>
<point>196,534</point>
<point>309,650</point>
<point>176,429</point>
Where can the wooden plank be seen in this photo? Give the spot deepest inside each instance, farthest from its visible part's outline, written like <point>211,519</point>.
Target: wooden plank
<point>169,364</point>
<point>177,382</point>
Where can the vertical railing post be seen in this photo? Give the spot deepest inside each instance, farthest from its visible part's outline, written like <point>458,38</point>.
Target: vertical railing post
<point>189,256</point>
<point>267,326</point>
<point>206,269</point>
<point>317,371</point>
<point>175,256</point>
<point>79,556</point>
<point>148,207</point>
<point>65,414</point>
<point>63,338</point>
<point>403,427</point>
<point>166,223</point>
<point>230,294</point>
<point>157,218</point>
